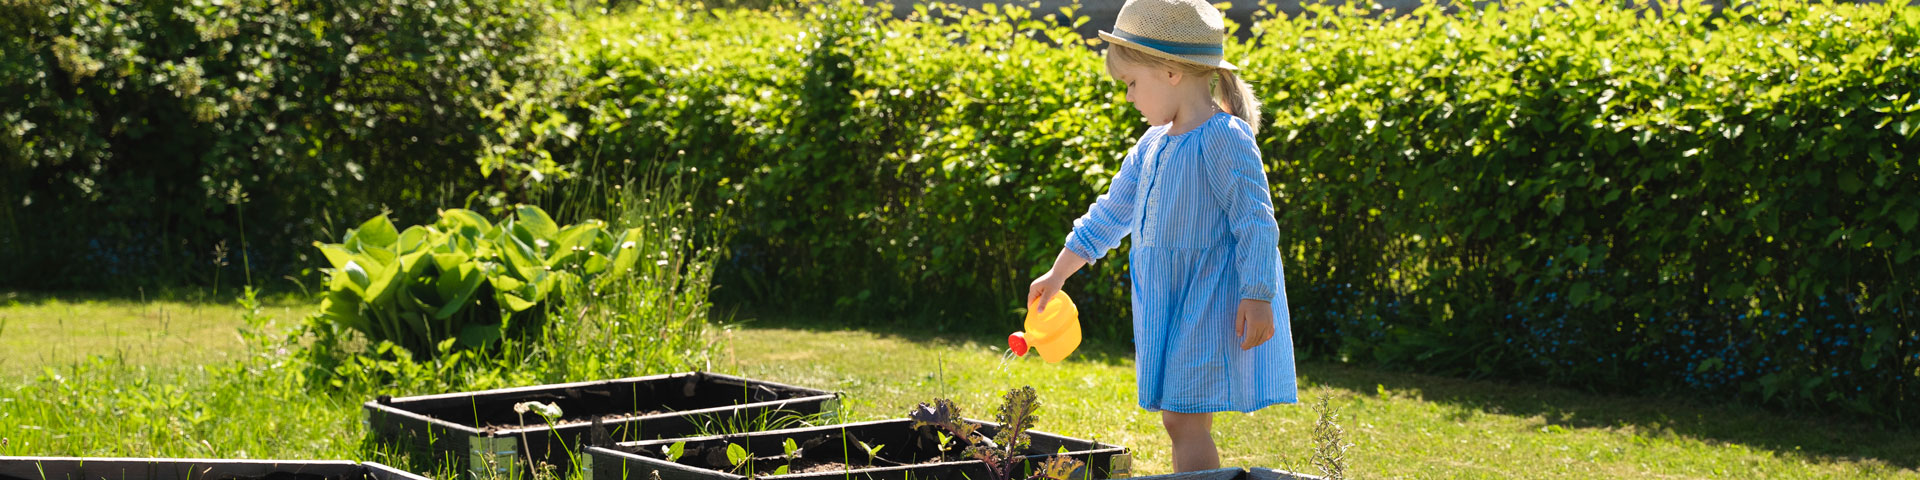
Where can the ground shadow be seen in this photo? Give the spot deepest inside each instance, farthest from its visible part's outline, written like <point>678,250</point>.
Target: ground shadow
<point>226,295</point>
<point>1094,350</point>
<point>1817,438</point>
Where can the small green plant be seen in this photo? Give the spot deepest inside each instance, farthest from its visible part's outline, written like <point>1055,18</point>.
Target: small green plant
<point>1329,440</point>
<point>791,452</point>
<point>1002,453</point>
<point>763,421</point>
<point>737,455</point>
<point>549,412</point>
<point>675,451</point>
<point>873,451</point>
<point>946,441</point>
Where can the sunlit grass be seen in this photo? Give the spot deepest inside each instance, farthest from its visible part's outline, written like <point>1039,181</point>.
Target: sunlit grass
<point>1403,425</point>
<point>40,330</point>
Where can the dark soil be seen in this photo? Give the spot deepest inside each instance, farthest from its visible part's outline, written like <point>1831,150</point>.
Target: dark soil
<point>803,465</point>
<point>583,403</point>
<point>534,420</point>
<point>289,476</point>
<point>822,467</point>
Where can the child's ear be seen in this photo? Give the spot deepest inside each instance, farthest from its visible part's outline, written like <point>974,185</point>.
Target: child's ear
<point>1173,77</point>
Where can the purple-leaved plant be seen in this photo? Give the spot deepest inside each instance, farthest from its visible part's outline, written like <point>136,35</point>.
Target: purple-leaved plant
<point>1002,452</point>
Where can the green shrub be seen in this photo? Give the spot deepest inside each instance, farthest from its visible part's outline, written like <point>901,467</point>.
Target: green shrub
<point>463,279</point>
<point>135,131</point>
<point>467,304</point>
<point>1585,194</point>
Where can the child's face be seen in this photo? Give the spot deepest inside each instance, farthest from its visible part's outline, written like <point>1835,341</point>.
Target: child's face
<point>1150,90</point>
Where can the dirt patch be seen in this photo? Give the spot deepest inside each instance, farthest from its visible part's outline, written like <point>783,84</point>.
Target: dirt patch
<point>802,466</point>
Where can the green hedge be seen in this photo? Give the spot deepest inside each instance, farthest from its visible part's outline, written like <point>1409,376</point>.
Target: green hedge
<point>1596,196</point>
<point>1588,195</point>
<point>133,129</point>
<point>853,182</point>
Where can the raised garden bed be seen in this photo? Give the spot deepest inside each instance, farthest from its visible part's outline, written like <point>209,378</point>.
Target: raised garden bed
<point>835,451</point>
<point>481,433</point>
<point>78,468</point>
<point>1233,474</point>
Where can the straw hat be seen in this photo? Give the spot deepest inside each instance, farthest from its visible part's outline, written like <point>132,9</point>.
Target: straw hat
<point>1189,31</point>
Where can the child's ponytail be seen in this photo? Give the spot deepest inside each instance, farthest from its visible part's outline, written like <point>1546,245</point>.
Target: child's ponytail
<point>1237,98</point>
<point>1230,92</point>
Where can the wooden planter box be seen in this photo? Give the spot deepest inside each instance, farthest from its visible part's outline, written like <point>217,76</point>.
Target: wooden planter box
<point>481,434</point>
<point>78,468</point>
<point>833,452</point>
<point>1233,474</point>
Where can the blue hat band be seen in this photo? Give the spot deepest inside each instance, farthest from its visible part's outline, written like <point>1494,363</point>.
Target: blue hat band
<point>1175,48</point>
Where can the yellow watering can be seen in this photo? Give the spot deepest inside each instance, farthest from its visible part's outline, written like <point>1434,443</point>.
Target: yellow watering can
<point>1056,332</point>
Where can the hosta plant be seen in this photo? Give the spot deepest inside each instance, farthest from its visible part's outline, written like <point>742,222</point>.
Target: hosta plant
<point>462,282</point>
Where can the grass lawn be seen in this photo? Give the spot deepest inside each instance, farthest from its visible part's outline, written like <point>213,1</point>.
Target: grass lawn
<point>1402,425</point>
<point>141,377</point>
<point>39,330</point>
<point>154,399</point>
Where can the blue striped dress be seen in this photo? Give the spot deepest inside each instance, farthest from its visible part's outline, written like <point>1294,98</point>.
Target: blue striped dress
<point>1204,237</point>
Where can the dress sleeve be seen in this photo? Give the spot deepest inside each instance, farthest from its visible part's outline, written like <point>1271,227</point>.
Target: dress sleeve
<point>1111,216</point>
<point>1238,183</point>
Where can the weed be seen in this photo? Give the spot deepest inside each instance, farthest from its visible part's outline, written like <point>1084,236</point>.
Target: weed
<point>1329,440</point>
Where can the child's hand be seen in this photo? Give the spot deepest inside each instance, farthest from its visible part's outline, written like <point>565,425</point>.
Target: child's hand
<point>1043,289</point>
<point>1254,323</point>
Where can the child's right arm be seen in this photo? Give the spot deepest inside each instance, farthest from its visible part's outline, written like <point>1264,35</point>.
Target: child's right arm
<point>1101,229</point>
<point>1048,284</point>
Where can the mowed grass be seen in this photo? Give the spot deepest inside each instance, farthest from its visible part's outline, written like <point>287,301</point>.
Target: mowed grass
<point>146,403</point>
<point>38,331</point>
<point>1402,425</point>
<point>96,375</point>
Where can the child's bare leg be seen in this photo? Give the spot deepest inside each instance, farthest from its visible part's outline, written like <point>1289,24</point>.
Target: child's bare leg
<point>1192,435</point>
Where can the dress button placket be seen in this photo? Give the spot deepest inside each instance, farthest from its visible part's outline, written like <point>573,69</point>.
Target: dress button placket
<point>1149,217</point>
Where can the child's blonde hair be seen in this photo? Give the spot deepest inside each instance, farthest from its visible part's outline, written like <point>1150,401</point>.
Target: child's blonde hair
<point>1231,93</point>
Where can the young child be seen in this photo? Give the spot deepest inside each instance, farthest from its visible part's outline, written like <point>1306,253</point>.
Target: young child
<point>1210,323</point>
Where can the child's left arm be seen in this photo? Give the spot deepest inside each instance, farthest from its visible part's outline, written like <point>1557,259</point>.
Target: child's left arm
<point>1238,183</point>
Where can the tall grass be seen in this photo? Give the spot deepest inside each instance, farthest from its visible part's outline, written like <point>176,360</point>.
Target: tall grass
<point>653,318</point>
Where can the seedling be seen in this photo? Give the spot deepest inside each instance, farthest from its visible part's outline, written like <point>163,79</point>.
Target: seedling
<point>792,453</point>
<point>675,451</point>
<point>873,451</point>
<point>737,455</point>
<point>548,412</point>
<point>946,442</point>
<point>1002,452</point>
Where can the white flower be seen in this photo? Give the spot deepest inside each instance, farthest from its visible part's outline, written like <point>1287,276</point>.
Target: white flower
<point>548,410</point>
